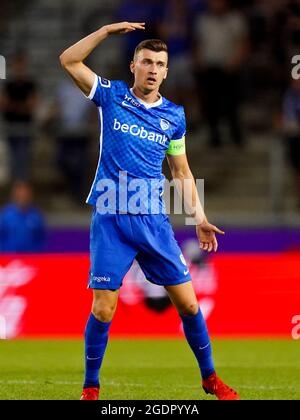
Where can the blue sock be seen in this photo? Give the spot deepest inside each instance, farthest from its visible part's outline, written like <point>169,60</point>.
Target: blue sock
<point>96,337</point>
<point>197,336</point>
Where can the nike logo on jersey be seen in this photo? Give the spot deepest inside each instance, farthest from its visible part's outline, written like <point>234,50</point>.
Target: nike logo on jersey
<point>124,103</point>
<point>186,272</point>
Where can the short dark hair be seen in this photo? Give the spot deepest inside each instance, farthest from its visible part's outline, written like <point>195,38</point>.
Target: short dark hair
<point>151,44</point>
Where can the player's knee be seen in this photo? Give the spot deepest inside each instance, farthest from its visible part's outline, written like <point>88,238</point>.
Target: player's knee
<point>189,309</point>
<point>103,313</point>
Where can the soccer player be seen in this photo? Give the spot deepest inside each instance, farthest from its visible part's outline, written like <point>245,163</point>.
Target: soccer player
<point>138,128</point>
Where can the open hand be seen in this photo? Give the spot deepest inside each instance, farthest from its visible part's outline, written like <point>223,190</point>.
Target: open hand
<point>206,234</point>
<point>124,27</point>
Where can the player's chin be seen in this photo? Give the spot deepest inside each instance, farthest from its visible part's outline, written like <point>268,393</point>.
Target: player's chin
<point>149,85</point>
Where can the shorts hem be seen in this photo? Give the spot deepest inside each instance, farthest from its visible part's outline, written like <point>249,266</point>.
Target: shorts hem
<point>172,283</point>
<point>102,287</point>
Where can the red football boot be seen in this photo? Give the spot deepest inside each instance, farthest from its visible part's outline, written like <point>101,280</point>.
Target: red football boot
<point>90,394</point>
<point>214,385</point>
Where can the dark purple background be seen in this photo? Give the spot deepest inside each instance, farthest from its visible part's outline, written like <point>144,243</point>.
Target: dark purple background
<point>235,240</point>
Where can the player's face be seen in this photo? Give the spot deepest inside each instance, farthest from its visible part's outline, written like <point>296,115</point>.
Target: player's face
<point>22,194</point>
<point>149,69</point>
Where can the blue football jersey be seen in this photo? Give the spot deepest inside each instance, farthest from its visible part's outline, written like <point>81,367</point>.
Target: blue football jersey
<point>134,139</point>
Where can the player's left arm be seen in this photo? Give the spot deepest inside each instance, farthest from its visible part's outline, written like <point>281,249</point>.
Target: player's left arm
<point>185,184</point>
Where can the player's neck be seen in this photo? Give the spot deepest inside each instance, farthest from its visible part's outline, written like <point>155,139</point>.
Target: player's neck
<point>149,98</point>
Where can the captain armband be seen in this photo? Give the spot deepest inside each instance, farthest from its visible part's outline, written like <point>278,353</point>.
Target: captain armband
<point>176,147</point>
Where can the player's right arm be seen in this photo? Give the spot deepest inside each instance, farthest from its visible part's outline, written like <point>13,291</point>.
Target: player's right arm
<point>72,58</point>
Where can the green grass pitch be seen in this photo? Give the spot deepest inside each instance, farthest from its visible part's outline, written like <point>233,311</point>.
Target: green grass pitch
<point>148,369</point>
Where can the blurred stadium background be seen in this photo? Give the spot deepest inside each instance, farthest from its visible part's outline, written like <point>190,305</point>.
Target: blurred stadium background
<point>232,69</point>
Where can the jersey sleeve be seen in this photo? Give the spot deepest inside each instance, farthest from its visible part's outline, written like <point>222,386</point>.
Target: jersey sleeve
<point>101,91</point>
<point>177,143</point>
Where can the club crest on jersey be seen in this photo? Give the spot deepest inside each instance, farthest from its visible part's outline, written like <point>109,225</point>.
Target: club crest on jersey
<point>104,82</point>
<point>165,125</point>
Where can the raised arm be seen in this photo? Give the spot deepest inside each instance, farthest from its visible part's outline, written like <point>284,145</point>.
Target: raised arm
<point>72,58</point>
<point>181,172</point>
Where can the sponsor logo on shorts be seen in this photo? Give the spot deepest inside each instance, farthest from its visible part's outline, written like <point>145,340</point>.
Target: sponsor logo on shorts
<point>100,279</point>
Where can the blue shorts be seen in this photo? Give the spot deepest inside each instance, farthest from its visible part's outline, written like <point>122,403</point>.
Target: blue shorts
<point>117,239</point>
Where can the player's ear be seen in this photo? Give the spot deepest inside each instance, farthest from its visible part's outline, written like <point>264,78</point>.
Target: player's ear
<point>132,66</point>
<point>166,74</point>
